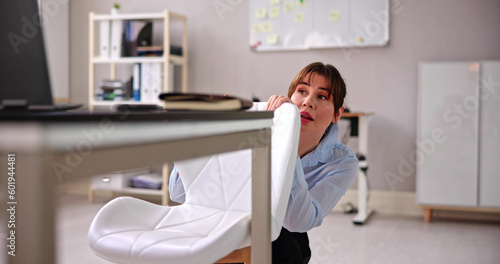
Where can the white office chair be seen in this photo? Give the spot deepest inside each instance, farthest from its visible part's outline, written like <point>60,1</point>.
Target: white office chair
<point>215,218</point>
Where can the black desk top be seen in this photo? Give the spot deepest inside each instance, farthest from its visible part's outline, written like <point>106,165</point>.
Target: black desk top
<point>90,116</point>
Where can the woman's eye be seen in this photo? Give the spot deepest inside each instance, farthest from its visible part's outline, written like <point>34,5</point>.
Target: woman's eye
<point>322,97</point>
<point>302,91</point>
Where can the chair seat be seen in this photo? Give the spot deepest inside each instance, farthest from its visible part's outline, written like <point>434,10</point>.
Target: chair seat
<point>143,232</point>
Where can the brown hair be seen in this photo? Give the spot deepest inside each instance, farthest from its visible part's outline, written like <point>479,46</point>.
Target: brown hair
<point>336,87</point>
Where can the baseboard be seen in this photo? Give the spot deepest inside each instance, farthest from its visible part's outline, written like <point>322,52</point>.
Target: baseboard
<point>384,202</point>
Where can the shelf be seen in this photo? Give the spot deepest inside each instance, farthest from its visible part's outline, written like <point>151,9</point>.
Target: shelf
<point>137,16</point>
<point>141,191</point>
<point>127,60</point>
<point>167,60</point>
<point>178,60</point>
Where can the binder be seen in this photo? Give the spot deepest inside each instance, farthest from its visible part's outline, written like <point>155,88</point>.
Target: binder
<point>145,82</point>
<point>156,82</point>
<point>136,85</point>
<point>104,38</point>
<point>116,38</point>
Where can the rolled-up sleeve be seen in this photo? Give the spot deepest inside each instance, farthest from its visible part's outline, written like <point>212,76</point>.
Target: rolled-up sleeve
<point>311,201</point>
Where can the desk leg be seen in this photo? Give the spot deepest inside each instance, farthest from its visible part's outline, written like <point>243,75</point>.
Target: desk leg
<point>35,210</point>
<point>165,197</point>
<point>261,205</point>
<point>363,211</point>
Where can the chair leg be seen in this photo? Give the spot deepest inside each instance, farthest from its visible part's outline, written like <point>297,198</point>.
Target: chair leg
<point>238,256</point>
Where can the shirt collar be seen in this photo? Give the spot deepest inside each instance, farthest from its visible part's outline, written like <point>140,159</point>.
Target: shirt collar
<point>324,150</point>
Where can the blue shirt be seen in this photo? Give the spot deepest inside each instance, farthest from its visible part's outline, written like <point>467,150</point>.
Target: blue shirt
<point>321,178</point>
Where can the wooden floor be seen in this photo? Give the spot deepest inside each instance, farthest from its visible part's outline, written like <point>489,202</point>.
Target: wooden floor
<point>383,239</point>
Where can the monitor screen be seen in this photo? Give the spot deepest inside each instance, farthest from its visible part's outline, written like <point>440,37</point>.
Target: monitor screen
<point>23,65</point>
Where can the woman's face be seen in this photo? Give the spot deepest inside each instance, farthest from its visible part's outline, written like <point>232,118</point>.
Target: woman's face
<point>315,104</point>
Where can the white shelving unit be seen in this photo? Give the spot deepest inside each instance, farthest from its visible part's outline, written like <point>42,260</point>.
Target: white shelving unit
<point>167,17</point>
<point>119,183</point>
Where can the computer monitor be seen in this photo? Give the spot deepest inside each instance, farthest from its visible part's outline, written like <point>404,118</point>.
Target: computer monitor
<point>24,76</point>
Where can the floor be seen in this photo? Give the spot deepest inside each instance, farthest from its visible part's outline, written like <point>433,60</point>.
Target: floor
<point>383,239</point>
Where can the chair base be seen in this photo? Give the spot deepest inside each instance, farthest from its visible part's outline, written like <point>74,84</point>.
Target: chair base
<point>238,256</point>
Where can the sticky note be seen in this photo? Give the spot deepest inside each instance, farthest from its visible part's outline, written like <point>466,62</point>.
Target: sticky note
<point>288,7</point>
<point>257,27</point>
<point>299,17</point>
<point>274,2</point>
<point>361,39</point>
<point>334,15</point>
<point>267,27</point>
<point>274,12</point>
<point>261,13</point>
<point>272,39</point>
<point>301,3</point>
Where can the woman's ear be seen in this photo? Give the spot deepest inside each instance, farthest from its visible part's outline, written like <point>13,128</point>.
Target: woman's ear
<point>336,117</point>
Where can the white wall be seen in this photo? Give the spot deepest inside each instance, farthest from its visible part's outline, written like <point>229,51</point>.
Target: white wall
<point>382,79</point>
<point>55,15</point>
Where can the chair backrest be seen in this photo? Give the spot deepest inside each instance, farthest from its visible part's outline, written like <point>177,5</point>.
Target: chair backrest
<point>223,181</point>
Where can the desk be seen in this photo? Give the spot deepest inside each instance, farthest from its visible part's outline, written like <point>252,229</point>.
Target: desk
<point>51,148</point>
<point>362,128</point>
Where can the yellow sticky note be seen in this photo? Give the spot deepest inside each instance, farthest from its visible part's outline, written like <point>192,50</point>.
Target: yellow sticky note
<point>261,13</point>
<point>257,27</point>
<point>274,12</point>
<point>299,17</point>
<point>334,15</point>
<point>361,39</point>
<point>289,7</point>
<point>267,27</point>
<point>274,2</point>
<point>272,39</point>
<point>301,3</point>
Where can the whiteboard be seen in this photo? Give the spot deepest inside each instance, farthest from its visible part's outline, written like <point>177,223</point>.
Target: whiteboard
<point>307,24</point>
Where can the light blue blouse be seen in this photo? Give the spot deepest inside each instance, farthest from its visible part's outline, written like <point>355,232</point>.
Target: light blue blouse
<point>321,178</point>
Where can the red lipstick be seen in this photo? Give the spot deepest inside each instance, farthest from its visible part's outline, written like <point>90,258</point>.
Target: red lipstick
<point>305,117</point>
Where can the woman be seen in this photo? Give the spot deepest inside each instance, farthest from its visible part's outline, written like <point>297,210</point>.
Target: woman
<point>325,167</point>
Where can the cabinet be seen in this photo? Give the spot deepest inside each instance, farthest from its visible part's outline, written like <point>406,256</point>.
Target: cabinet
<point>167,60</point>
<point>458,136</point>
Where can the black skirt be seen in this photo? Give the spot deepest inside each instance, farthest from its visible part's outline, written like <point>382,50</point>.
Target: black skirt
<point>291,248</point>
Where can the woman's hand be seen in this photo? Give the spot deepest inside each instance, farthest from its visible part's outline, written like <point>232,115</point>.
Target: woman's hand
<point>275,101</point>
